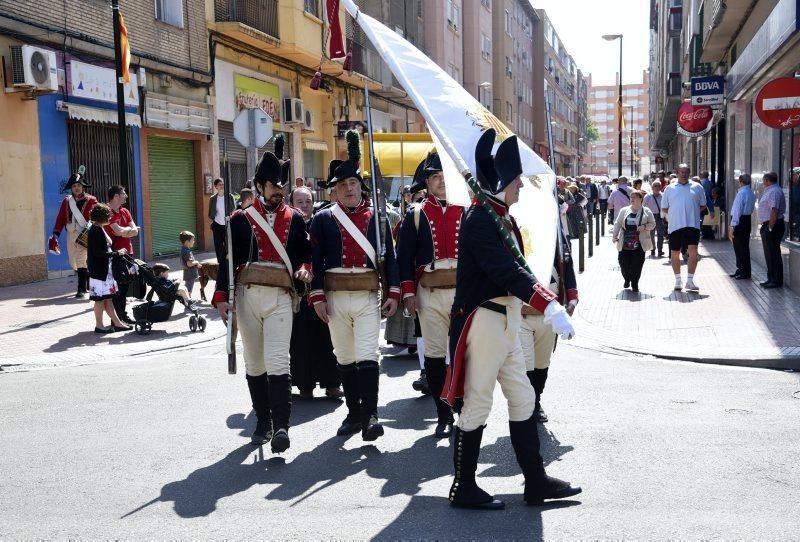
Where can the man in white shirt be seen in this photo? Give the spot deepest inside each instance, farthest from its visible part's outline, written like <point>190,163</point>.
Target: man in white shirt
<point>681,205</point>
<point>619,198</point>
<point>602,198</point>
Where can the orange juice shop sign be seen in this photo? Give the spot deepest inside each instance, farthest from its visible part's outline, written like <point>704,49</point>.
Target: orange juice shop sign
<point>249,93</point>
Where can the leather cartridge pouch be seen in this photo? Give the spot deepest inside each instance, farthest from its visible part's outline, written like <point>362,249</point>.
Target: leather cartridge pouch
<point>438,279</point>
<point>265,274</point>
<point>351,282</point>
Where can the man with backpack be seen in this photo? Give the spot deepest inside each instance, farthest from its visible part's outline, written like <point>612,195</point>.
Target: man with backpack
<point>619,198</point>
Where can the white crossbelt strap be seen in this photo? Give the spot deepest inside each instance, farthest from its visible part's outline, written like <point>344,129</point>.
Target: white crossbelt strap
<point>276,243</point>
<point>76,214</point>
<point>355,233</point>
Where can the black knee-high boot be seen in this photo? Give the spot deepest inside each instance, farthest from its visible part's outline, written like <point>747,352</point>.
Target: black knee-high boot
<point>538,485</point>
<point>280,406</point>
<point>83,282</point>
<point>538,377</point>
<point>465,492</point>
<point>368,374</point>
<point>259,395</point>
<point>352,423</point>
<point>436,370</point>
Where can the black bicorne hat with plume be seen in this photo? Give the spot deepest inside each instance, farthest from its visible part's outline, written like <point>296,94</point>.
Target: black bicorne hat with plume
<point>75,178</point>
<point>339,170</point>
<point>272,168</point>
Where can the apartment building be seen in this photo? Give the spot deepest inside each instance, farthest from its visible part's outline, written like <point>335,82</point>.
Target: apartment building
<point>477,51</point>
<point>604,153</point>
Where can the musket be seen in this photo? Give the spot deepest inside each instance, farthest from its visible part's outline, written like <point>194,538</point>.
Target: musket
<point>230,335</point>
<point>552,160</point>
<point>380,220</point>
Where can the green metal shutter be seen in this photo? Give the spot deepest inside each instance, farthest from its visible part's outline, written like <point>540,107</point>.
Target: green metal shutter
<point>172,192</point>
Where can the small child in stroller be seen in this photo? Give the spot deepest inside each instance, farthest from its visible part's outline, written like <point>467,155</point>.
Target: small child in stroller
<point>167,288</point>
<point>168,291</point>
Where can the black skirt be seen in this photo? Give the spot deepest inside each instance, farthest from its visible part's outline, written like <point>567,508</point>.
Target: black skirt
<point>311,351</point>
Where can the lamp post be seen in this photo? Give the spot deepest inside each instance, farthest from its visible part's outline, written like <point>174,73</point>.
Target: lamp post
<point>612,37</point>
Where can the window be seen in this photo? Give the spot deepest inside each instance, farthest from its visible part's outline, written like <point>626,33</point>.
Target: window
<point>509,67</point>
<point>486,46</point>
<point>508,23</point>
<point>170,12</point>
<point>312,7</point>
<point>454,14</point>
<point>509,111</point>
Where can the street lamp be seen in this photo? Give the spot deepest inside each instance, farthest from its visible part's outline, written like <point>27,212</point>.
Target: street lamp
<point>612,37</point>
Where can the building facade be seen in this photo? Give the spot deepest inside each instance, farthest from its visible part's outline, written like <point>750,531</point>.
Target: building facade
<point>604,153</point>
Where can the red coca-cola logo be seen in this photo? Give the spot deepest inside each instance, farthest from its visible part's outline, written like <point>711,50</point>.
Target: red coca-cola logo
<point>694,119</point>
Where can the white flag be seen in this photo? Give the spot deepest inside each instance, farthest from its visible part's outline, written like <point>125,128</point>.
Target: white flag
<point>457,120</point>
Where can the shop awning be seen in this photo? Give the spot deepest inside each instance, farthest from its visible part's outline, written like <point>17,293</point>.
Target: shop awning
<point>389,148</point>
<point>314,145</point>
<point>95,114</point>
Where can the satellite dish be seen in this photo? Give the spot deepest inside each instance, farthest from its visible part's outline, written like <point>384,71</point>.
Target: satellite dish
<point>40,70</point>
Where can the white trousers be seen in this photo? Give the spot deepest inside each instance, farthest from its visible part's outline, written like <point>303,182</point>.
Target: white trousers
<point>538,341</point>
<point>264,316</point>
<point>76,253</point>
<point>355,324</point>
<point>434,307</point>
<point>494,355</point>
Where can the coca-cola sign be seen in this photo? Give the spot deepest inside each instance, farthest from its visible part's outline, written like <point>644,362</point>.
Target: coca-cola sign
<point>694,120</point>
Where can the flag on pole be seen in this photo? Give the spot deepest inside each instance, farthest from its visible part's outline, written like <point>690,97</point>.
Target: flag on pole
<point>125,48</point>
<point>453,113</point>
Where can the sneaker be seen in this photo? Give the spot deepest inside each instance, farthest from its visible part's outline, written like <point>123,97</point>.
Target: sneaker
<point>692,287</point>
<point>678,285</point>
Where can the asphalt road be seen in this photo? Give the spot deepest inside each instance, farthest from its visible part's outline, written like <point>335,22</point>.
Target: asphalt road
<point>158,448</point>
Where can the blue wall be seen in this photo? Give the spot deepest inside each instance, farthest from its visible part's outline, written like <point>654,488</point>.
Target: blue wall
<point>54,143</point>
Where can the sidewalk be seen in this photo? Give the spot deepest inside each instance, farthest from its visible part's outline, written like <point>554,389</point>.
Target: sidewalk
<point>43,325</point>
<point>733,322</point>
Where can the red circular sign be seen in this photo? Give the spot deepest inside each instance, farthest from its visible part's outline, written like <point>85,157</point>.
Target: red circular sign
<point>694,119</point>
<point>778,103</point>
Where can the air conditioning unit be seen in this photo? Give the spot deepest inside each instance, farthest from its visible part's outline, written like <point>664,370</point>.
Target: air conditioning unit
<point>308,121</point>
<point>33,69</point>
<point>293,111</point>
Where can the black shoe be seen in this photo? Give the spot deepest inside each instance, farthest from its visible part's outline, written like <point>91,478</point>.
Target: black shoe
<point>350,426</point>
<point>762,284</point>
<point>122,328</point>
<point>652,253</point>
<point>80,295</point>
<point>735,275</point>
<point>742,277</point>
<point>280,441</point>
<point>465,493</point>
<point>660,254</point>
<point>444,428</point>
<point>635,287</point>
<point>548,489</point>
<point>262,434</point>
<point>539,414</point>
<point>109,329</point>
<point>627,284</point>
<point>770,285</point>
<point>436,371</point>
<point>371,429</point>
<point>127,319</point>
<point>421,384</point>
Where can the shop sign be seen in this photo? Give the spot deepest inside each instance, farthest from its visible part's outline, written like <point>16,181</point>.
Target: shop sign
<point>694,120</point>
<point>708,90</point>
<point>254,93</point>
<point>778,103</point>
<point>98,83</point>
<point>343,126</point>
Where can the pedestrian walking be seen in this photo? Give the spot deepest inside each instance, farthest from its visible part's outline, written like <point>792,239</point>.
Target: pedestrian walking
<point>484,340</point>
<point>739,233</point>
<point>602,198</point>
<point>653,202</point>
<point>217,214</point>
<point>632,236</point>
<point>190,266</point>
<point>102,286</point>
<point>682,203</point>
<point>121,228</point>
<point>619,198</point>
<point>771,212</point>
<point>272,251</point>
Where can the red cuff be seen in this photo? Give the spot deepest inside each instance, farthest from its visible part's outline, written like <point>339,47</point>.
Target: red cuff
<point>219,296</point>
<point>572,294</point>
<point>316,296</point>
<point>394,293</point>
<point>541,297</point>
<point>408,287</point>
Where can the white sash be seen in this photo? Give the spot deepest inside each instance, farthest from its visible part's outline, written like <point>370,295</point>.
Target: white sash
<point>276,243</point>
<point>355,233</point>
<point>76,214</point>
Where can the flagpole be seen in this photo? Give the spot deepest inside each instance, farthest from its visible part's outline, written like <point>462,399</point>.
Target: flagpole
<point>121,124</point>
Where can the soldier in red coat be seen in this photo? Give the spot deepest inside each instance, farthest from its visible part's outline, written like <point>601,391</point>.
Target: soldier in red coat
<point>74,216</point>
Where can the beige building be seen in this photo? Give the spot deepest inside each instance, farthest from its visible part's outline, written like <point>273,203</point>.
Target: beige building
<point>444,35</point>
<point>477,52</point>
<point>603,153</point>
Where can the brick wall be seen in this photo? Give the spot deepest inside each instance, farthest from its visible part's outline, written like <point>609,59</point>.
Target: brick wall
<point>187,46</point>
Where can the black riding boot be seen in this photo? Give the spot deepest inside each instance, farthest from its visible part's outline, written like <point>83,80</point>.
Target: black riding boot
<point>259,394</point>
<point>538,377</point>
<point>464,492</point>
<point>435,369</point>
<point>280,405</point>
<point>367,373</point>
<point>538,485</point>
<point>352,423</point>
<point>83,282</point>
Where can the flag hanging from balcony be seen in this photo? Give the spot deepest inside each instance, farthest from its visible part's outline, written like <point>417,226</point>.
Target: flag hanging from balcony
<point>125,49</point>
<point>451,111</point>
<point>336,41</point>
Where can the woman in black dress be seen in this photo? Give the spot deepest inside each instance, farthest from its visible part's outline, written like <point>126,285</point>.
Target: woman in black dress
<point>102,286</point>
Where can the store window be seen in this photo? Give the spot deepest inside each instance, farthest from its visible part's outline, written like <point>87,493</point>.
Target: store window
<point>792,187</point>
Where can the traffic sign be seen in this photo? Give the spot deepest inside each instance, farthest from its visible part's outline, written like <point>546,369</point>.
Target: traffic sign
<point>778,103</point>
<point>261,124</point>
<point>708,90</point>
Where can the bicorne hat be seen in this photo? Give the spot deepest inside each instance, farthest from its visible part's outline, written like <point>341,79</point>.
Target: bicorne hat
<point>484,162</point>
<point>339,170</point>
<point>272,168</point>
<point>507,162</point>
<point>432,164</point>
<point>75,178</point>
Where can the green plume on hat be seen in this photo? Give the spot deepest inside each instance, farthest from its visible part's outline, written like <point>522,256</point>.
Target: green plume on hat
<point>353,145</point>
<point>279,141</point>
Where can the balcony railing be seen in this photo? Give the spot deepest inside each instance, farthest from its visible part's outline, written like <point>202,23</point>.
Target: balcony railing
<point>366,62</point>
<point>261,15</point>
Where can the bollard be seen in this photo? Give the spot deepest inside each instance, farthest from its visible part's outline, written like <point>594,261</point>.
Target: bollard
<point>603,225</point>
<point>591,245</point>
<point>597,229</point>
<point>580,252</point>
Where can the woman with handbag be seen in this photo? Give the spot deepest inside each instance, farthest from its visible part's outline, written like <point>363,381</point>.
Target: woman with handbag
<point>102,286</point>
<point>632,235</point>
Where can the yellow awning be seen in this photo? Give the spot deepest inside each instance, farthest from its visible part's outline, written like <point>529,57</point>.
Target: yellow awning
<point>314,145</point>
<point>390,147</point>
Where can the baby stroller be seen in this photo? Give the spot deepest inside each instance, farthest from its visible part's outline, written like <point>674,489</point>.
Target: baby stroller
<point>150,312</point>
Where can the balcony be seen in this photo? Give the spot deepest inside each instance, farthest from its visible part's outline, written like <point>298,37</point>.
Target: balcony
<point>260,15</point>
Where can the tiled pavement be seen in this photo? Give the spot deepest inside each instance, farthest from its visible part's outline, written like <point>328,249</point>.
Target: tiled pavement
<point>43,325</point>
<point>728,321</point>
